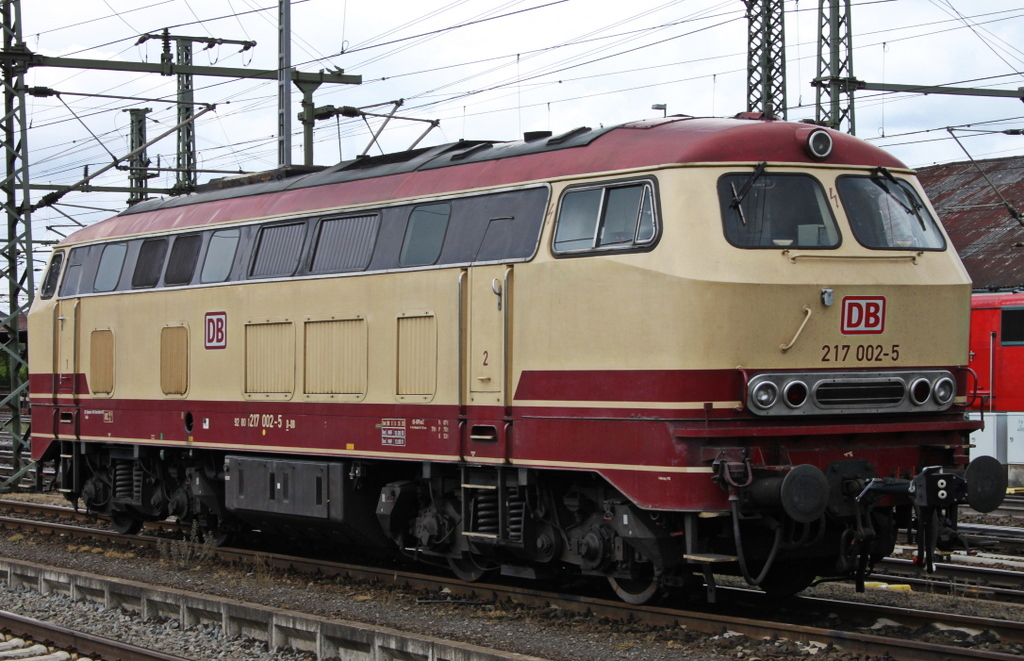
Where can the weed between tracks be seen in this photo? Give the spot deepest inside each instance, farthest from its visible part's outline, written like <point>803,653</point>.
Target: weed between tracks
<point>261,568</point>
<point>187,554</point>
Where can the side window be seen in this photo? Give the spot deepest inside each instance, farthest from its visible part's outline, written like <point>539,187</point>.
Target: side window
<point>277,250</point>
<point>514,221</point>
<point>424,235</point>
<point>577,220</point>
<point>344,244</point>
<point>1012,327</point>
<point>184,255</point>
<point>619,217</point>
<point>70,284</point>
<point>149,263</point>
<point>219,256</point>
<point>109,272</point>
<point>52,275</point>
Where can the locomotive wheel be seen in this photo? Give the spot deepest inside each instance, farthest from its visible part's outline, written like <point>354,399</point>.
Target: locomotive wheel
<point>467,569</point>
<point>786,579</point>
<point>636,591</point>
<point>126,524</point>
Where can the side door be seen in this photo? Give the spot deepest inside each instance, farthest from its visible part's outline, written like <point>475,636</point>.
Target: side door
<point>67,372</point>
<point>488,308</point>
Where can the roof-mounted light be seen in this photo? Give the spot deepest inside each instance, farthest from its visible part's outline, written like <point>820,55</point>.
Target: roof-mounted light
<point>819,144</point>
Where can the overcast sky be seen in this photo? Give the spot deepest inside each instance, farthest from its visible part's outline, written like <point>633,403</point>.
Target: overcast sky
<point>523,65</point>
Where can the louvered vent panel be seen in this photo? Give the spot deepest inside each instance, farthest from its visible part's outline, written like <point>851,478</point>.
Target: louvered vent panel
<point>336,357</point>
<point>101,362</point>
<point>174,360</point>
<point>269,358</point>
<point>863,393</point>
<point>417,355</point>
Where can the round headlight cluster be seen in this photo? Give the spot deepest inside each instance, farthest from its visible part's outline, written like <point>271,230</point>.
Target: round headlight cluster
<point>942,391</point>
<point>850,392</point>
<point>767,394</point>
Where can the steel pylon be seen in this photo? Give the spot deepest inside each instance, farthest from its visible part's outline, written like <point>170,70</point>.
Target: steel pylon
<point>16,263</point>
<point>766,58</point>
<point>835,82</point>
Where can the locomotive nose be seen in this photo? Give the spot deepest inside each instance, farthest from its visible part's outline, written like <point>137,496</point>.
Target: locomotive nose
<point>802,493</point>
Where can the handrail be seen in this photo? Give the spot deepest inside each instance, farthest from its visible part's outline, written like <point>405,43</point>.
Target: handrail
<point>807,316</point>
<point>824,255</point>
<point>462,341</point>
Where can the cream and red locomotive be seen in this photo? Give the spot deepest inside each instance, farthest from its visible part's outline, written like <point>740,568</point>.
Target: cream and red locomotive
<point>650,352</point>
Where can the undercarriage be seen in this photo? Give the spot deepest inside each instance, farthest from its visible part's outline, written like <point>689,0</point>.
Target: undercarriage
<point>781,531</point>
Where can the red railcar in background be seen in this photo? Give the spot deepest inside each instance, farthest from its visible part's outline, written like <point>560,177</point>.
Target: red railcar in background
<point>997,358</point>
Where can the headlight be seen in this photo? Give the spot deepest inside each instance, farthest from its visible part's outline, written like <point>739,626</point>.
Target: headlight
<point>819,144</point>
<point>944,391</point>
<point>765,394</point>
<point>795,394</point>
<point>920,391</point>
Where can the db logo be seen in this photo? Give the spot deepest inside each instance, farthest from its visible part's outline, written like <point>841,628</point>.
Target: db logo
<point>863,315</point>
<point>216,330</point>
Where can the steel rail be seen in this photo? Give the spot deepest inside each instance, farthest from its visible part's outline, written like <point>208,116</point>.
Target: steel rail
<point>983,577</point>
<point>85,644</point>
<point>43,509</point>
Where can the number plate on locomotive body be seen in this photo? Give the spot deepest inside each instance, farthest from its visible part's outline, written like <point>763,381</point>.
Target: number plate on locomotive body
<point>870,353</point>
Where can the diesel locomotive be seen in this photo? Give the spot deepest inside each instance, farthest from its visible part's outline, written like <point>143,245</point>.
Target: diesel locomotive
<point>648,353</point>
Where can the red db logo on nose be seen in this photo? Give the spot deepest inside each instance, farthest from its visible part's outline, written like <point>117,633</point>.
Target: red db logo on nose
<point>216,330</point>
<point>863,315</point>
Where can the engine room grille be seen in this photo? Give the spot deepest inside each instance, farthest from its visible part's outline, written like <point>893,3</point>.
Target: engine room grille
<point>865,393</point>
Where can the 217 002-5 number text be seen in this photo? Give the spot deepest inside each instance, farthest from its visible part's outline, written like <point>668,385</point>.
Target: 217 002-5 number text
<point>870,353</point>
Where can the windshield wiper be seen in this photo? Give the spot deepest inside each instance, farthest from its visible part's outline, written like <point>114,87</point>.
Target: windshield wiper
<point>880,173</point>
<point>737,197</point>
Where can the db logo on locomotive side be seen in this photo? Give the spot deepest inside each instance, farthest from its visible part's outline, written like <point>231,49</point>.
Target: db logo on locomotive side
<point>863,315</point>
<point>216,330</point>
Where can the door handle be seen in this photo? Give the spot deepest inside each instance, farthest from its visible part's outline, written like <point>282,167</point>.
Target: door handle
<point>496,288</point>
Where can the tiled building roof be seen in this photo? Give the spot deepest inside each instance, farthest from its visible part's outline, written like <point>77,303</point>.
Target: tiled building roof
<point>989,240</point>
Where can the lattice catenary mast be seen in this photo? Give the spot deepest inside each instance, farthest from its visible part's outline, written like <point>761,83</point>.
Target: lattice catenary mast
<point>766,57</point>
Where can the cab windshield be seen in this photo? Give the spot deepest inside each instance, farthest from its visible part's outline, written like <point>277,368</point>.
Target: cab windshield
<point>763,210</point>
<point>886,214</point>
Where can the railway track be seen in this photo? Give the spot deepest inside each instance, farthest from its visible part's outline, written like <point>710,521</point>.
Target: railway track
<point>64,512</point>
<point>1013,505</point>
<point>989,538</point>
<point>857,638</point>
<point>59,643</point>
